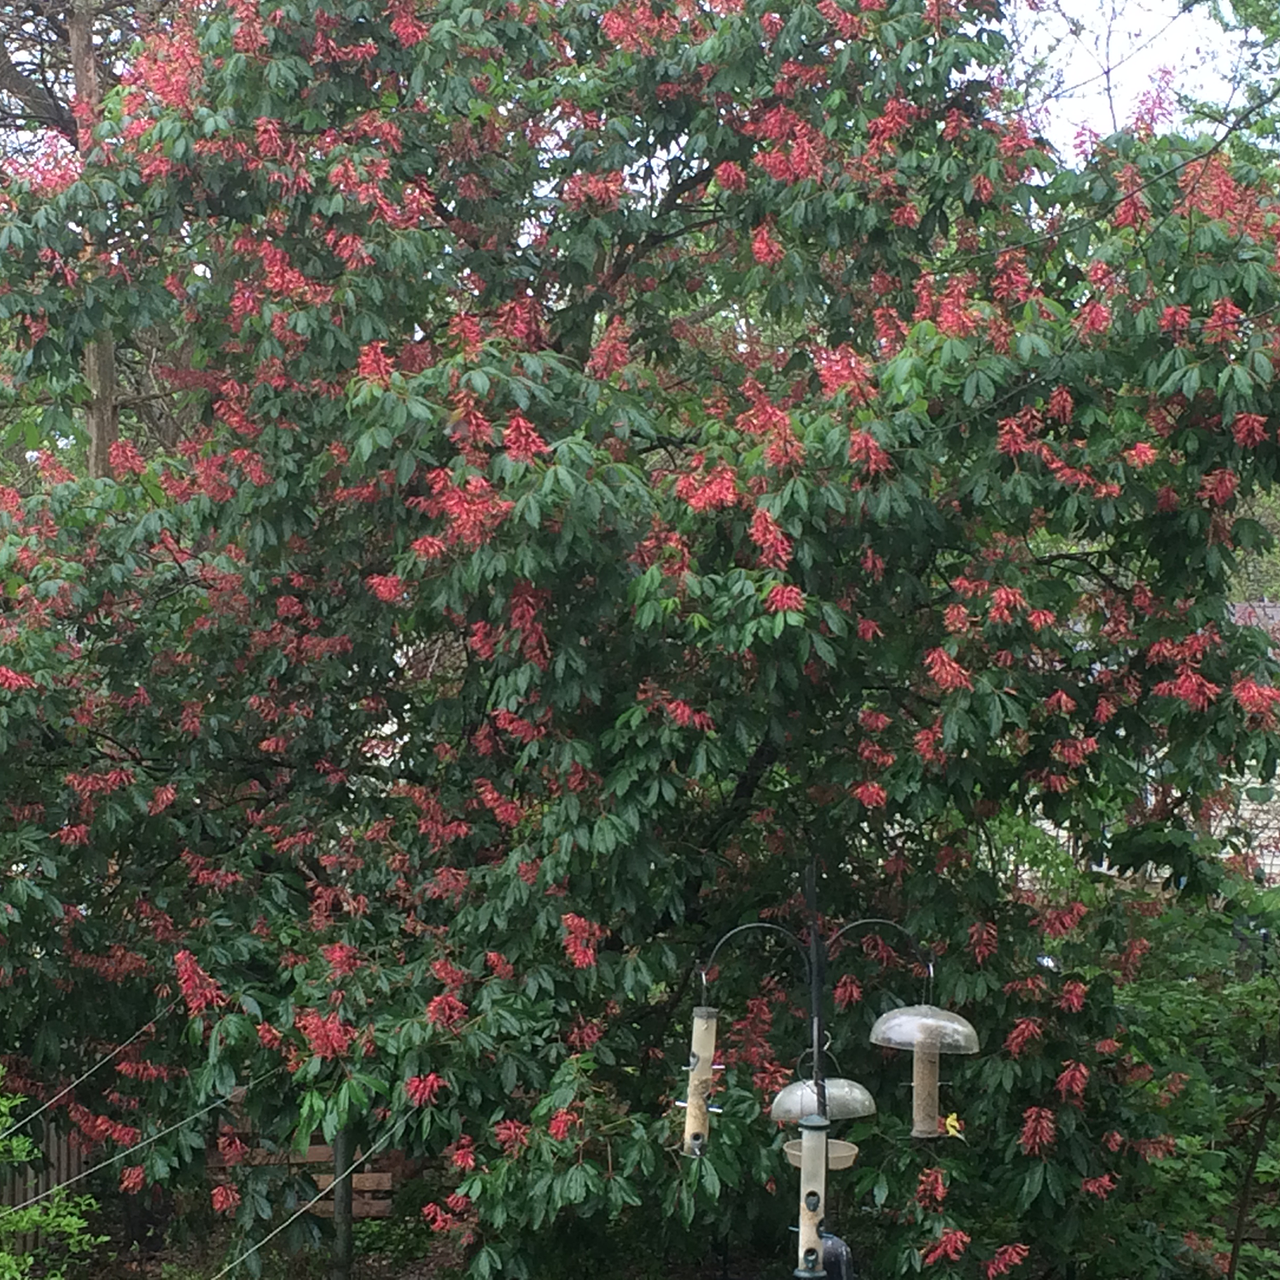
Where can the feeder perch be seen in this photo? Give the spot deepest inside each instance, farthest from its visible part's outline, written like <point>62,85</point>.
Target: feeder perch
<point>702,1050</point>
<point>927,1031</point>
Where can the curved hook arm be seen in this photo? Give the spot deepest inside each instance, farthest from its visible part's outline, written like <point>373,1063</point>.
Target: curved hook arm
<point>921,954</point>
<point>742,928</point>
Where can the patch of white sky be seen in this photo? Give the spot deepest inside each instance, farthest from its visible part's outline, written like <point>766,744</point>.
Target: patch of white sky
<point>1100,64</point>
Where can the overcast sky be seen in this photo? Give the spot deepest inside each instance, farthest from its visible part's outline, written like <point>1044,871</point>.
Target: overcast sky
<point>1118,51</point>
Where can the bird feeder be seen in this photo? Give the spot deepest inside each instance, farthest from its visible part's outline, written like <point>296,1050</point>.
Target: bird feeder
<point>702,1051</point>
<point>846,1100</point>
<point>927,1031</point>
<point>813,1153</point>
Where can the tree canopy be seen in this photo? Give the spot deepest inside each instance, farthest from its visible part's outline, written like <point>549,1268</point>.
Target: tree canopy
<point>623,451</point>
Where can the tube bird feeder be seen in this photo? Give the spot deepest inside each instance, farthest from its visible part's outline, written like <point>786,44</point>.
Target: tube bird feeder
<point>813,1194</point>
<point>927,1031</point>
<point>702,1051</point>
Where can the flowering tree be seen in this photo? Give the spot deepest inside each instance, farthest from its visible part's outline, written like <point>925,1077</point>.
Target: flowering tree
<point>631,450</point>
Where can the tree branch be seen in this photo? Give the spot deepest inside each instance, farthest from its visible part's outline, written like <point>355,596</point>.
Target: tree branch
<point>41,107</point>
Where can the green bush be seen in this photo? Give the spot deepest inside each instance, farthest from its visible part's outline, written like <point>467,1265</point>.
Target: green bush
<point>60,1219</point>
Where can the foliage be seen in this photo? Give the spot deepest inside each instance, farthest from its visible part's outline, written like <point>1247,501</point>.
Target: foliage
<point>1204,1026</point>
<point>59,1220</point>
<point>636,450</point>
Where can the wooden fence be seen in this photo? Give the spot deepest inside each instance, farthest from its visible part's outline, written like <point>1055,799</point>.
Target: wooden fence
<point>60,1161</point>
<point>372,1184</point>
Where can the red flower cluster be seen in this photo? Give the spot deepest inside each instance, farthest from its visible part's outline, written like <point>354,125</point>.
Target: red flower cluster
<point>1039,1131</point>
<point>783,597</point>
<point>421,1091</point>
<point>581,938</point>
<point>1007,1257</point>
<point>1024,1031</point>
<point>512,1136</point>
<point>931,1190</point>
<point>446,1011</point>
<point>945,671</point>
<point>521,440</point>
<point>983,941</point>
<point>1071,1083</point>
<point>951,1245</point>
<point>225,1198</point>
<point>198,989</point>
<point>328,1036</point>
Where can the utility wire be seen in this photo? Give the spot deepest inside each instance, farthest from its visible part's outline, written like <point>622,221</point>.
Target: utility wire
<point>102,1062</point>
<point>137,1146</point>
<point>320,1195</point>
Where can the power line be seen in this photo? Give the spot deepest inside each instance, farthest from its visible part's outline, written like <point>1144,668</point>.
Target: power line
<point>231,1266</point>
<point>102,1062</point>
<point>137,1146</point>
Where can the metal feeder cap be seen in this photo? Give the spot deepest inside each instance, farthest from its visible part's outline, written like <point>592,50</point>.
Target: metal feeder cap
<point>925,1026</point>
<point>846,1100</point>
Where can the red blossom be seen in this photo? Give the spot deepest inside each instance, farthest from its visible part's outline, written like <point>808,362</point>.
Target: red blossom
<point>951,1245</point>
<point>328,1036</point>
<point>581,937</point>
<point>945,671</point>
<point>775,546</point>
<point>731,176</point>
<point>230,1147</point>
<point>871,794</point>
<point>198,989</point>
<point>1249,429</point>
<point>387,587</point>
<point>132,1179</point>
<point>848,991</point>
<point>421,1091</point>
<point>1007,1256</point>
<point>784,596</point>
<point>931,1190</point>
<point>512,1136</point>
<point>983,941</point>
<point>374,365</point>
<point>225,1198</point>
<point>14,680</point>
<point>1024,1031</point>
<point>1219,487</point>
<point>446,1011</point>
<point>462,1154</point>
<point>1039,1131</point>
<point>561,1123</point>
<point>437,1218</point>
<point>1101,1187</point>
<point>1073,996</point>
<point>1223,324</point>
<point>1057,922</point>
<point>162,798</point>
<point>1071,1083</point>
<point>521,440</point>
<point>765,248</point>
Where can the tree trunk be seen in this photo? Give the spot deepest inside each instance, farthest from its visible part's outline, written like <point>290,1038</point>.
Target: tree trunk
<point>343,1244</point>
<point>102,416</point>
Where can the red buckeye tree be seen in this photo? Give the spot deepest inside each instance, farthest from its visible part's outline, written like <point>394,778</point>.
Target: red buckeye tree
<point>626,451</point>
